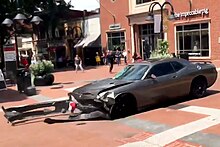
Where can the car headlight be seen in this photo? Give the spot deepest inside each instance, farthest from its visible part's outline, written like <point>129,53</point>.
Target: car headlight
<point>104,96</point>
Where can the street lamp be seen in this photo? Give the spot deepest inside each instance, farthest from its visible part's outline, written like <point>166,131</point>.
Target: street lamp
<point>20,18</point>
<point>151,18</point>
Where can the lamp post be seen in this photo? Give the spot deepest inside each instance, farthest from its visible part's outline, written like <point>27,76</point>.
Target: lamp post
<point>20,18</point>
<point>151,18</point>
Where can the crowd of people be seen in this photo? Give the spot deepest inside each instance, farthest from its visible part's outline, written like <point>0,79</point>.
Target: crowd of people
<point>110,58</point>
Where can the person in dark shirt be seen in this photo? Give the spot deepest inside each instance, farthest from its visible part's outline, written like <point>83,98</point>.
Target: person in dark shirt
<point>110,58</point>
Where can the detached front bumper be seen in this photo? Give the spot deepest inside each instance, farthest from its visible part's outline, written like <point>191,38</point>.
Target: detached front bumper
<point>90,100</point>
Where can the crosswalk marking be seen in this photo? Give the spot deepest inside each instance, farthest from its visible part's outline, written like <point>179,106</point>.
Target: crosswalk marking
<point>181,131</point>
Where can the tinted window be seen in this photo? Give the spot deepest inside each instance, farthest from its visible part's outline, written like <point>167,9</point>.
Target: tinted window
<point>161,69</point>
<point>177,66</point>
<point>132,72</point>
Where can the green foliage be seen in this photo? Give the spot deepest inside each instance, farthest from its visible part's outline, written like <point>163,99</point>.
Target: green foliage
<point>161,51</point>
<point>42,68</point>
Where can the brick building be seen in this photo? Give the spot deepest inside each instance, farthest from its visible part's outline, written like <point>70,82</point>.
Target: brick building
<point>196,30</point>
<point>115,29</point>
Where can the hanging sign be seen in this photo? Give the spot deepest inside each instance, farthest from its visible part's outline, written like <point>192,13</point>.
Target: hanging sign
<point>195,12</point>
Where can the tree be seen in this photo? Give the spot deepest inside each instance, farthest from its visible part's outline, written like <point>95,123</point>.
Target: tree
<point>47,9</point>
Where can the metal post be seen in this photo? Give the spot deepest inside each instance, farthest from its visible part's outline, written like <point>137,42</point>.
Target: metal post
<point>16,46</point>
<point>161,24</point>
<point>161,12</point>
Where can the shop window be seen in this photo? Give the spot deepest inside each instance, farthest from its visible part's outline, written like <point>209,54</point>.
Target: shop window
<point>143,1</point>
<point>193,39</point>
<point>116,40</point>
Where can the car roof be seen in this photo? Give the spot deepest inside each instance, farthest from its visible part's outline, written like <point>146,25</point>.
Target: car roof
<point>159,60</point>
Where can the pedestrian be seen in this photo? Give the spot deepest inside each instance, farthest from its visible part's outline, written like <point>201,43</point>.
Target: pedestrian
<point>110,58</point>
<point>125,56</point>
<point>78,63</point>
<point>147,50</point>
<point>134,56</point>
<point>97,59</point>
<point>104,60</point>
<point>118,56</point>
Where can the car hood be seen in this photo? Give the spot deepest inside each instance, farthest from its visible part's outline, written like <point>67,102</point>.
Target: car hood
<point>100,86</point>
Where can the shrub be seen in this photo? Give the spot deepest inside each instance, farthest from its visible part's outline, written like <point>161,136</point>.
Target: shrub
<point>161,51</point>
<point>42,68</point>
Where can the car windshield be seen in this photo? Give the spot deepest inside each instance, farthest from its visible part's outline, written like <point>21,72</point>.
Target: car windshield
<point>132,72</point>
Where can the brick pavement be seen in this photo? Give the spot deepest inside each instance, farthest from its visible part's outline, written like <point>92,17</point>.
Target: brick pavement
<point>110,133</point>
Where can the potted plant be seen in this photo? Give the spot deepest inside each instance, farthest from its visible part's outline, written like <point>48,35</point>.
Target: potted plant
<point>161,51</point>
<point>42,72</point>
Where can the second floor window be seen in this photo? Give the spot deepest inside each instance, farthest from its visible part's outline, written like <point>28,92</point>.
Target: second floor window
<point>143,1</point>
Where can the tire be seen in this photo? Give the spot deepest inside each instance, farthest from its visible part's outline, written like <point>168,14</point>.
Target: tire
<point>198,88</point>
<point>124,106</point>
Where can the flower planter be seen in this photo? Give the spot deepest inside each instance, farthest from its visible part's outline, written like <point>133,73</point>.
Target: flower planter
<point>45,80</point>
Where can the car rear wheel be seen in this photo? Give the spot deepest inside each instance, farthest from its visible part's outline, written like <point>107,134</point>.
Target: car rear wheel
<point>198,88</point>
<point>124,106</point>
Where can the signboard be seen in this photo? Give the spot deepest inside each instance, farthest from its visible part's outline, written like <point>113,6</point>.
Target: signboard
<point>10,61</point>
<point>157,23</point>
<point>195,12</point>
<point>114,26</point>
<point>9,53</point>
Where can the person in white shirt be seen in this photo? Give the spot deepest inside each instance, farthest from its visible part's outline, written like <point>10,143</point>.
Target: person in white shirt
<point>125,56</point>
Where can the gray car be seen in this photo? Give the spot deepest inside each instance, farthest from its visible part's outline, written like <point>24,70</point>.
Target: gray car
<point>143,84</point>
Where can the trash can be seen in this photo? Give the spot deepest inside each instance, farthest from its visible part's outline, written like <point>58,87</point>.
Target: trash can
<point>184,56</point>
<point>23,79</point>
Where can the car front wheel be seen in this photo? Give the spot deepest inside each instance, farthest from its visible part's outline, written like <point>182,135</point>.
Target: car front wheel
<point>198,88</point>
<point>123,107</point>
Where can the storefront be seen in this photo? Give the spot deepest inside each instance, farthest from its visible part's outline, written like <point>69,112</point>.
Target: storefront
<point>196,30</point>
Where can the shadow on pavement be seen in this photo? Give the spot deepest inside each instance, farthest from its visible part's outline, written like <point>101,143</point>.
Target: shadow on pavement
<point>10,95</point>
<point>171,103</point>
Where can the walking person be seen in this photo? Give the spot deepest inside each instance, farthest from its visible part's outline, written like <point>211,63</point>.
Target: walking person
<point>78,63</point>
<point>118,56</point>
<point>125,56</point>
<point>110,58</point>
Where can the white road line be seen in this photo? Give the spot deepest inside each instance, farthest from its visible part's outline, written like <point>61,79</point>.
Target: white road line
<point>178,132</point>
<point>202,110</point>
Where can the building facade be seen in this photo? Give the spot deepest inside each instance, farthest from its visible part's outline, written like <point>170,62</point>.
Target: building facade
<point>195,30</point>
<point>115,29</point>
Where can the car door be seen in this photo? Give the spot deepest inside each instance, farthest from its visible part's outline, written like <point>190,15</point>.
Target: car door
<point>182,81</point>
<point>158,89</point>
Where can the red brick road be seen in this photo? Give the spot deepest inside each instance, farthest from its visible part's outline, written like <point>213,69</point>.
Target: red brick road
<point>100,133</point>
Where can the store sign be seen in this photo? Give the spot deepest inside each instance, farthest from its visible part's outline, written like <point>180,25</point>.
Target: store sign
<point>195,12</point>
<point>115,26</point>
<point>9,53</point>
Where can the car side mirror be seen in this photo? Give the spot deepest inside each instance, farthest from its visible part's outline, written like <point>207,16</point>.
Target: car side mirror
<point>152,76</point>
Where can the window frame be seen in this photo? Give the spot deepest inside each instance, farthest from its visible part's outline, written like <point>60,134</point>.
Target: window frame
<point>149,73</point>
<point>203,49</point>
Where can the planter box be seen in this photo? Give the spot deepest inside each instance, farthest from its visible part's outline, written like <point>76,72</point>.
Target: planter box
<point>46,80</point>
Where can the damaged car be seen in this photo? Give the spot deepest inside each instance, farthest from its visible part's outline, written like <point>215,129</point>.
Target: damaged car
<point>136,87</point>
<point>140,85</point>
